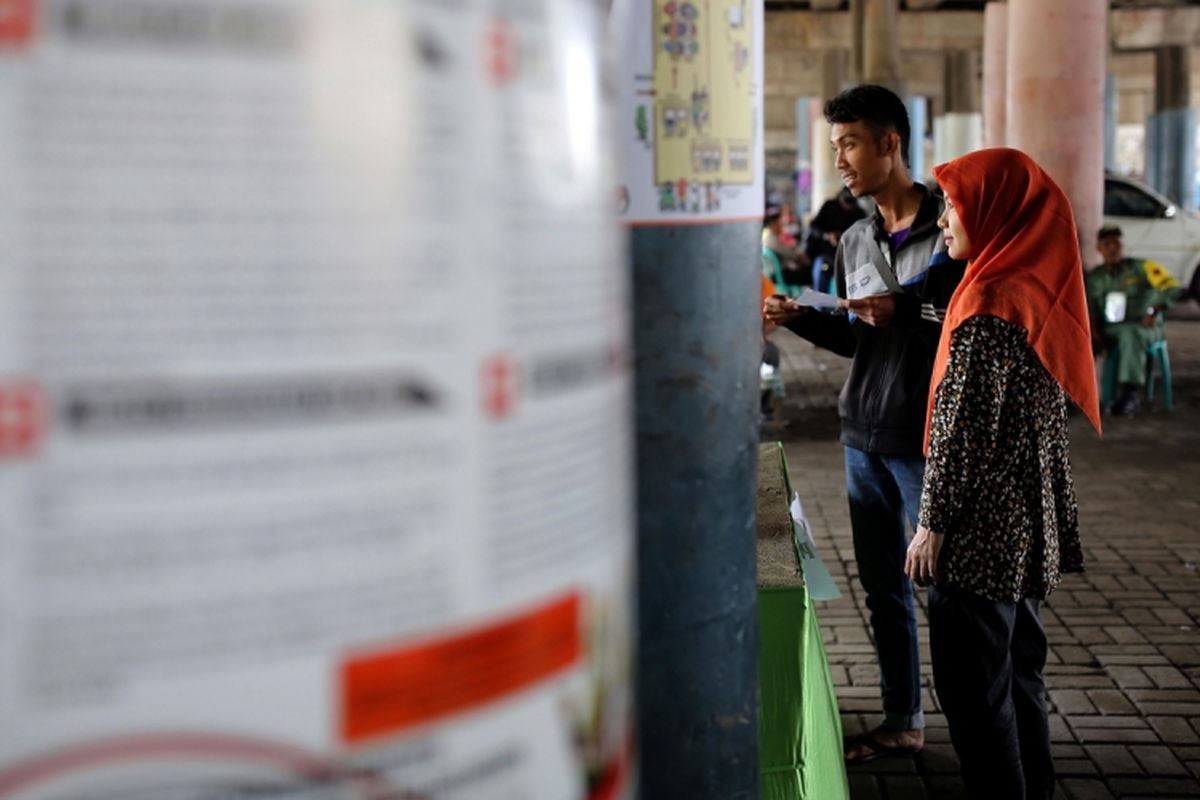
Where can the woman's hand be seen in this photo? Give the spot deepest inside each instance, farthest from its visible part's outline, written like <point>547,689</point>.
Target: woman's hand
<point>921,562</point>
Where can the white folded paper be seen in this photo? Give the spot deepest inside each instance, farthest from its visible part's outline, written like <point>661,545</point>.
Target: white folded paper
<point>811,297</point>
<point>816,575</point>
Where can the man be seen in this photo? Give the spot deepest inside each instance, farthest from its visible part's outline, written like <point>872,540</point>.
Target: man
<point>1126,298</point>
<point>896,279</point>
<point>833,218</point>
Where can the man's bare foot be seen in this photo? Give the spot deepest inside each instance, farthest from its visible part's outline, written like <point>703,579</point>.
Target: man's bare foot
<point>882,742</point>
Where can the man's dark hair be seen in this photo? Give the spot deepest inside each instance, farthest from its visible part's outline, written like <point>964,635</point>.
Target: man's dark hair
<point>878,107</point>
<point>772,216</point>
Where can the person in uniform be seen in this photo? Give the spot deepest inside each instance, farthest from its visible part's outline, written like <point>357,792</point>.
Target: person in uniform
<point>1126,298</point>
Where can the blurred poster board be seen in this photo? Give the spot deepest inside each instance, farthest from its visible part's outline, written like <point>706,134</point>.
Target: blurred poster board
<point>315,448</point>
<point>689,110</point>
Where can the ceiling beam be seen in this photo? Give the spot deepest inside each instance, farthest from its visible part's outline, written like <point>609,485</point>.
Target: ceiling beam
<point>1142,29</point>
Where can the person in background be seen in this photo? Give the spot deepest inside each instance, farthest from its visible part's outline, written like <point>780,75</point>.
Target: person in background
<point>833,218</point>
<point>769,377</point>
<point>1126,298</point>
<point>896,279</point>
<point>790,230</point>
<point>999,522</point>
<point>794,263</point>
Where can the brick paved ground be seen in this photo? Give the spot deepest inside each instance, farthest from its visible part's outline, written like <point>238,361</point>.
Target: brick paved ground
<point>1124,666</point>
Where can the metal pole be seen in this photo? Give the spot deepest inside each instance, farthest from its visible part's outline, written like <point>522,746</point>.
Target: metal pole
<point>1170,132</point>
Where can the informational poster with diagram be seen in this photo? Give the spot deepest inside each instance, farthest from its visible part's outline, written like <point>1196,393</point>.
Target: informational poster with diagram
<point>316,458</point>
<point>690,109</point>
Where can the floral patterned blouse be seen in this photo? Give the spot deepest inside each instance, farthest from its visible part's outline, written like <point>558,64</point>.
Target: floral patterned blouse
<point>998,479</point>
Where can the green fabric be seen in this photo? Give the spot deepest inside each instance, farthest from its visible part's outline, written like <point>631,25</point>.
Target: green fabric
<point>801,731</point>
<point>1130,340</point>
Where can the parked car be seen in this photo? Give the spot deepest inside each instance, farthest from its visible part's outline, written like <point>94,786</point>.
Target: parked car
<point>1153,227</point>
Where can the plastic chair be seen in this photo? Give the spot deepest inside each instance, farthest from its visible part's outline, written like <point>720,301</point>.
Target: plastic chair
<point>1156,352</point>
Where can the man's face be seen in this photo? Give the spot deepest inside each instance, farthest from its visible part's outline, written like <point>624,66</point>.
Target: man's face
<point>864,162</point>
<point>1111,249</point>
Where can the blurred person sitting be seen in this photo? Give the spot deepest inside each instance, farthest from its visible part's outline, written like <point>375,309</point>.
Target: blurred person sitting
<point>825,231</point>
<point>1126,298</point>
<point>793,263</point>
<point>791,225</point>
<point>770,379</point>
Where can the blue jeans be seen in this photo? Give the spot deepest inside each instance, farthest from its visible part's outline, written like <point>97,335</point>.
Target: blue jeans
<point>885,494</point>
<point>820,282</point>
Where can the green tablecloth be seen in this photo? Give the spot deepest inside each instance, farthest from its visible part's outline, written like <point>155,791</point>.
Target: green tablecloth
<point>801,731</point>
<point>800,747</point>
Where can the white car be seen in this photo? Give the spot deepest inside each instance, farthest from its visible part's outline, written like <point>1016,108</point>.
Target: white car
<point>1152,227</point>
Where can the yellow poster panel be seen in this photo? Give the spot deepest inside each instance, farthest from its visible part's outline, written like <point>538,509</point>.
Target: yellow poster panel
<point>704,95</point>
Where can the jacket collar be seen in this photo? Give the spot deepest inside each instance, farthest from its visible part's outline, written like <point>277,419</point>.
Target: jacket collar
<point>927,216</point>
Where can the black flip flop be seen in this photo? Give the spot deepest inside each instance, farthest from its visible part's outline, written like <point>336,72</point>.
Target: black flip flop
<point>875,749</point>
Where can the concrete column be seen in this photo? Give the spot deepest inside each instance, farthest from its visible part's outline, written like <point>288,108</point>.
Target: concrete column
<point>857,22</point>
<point>835,78</point>
<point>918,108</point>
<point>804,144</point>
<point>697,342</point>
<point>697,337</point>
<point>995,73</point>
<point>880,42</point>
<point>960,129</point>
<point>1171,129</point>
<point>1110,122</point>
<point>1055,105</point>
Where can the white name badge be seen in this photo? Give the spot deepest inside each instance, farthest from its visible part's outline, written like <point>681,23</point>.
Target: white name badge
<point>1114,306</point>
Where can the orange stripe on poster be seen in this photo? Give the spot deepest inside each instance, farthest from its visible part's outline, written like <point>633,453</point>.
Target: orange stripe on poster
<point>17,19</point>
<point>385,693</point>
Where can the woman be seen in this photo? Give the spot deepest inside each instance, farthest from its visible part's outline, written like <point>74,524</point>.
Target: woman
<point>998,519</point>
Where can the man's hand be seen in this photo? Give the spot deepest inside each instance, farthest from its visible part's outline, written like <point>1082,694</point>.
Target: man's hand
<point>1150,318</point>
<point>780,309</point>
<point>875,311</point>
<point>920,564</point>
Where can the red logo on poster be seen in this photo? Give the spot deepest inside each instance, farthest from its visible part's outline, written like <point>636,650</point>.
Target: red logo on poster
<point>21,419</point>
<point>499,386</point>
<point>501,53</point>
<point>16,21</point>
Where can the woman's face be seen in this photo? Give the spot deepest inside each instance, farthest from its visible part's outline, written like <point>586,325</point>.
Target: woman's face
<point>952,231</point>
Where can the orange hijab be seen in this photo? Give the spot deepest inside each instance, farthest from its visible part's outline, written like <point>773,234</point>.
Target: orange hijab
<point>1026,267</point>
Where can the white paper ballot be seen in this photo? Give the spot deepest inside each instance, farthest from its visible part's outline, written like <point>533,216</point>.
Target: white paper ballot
<point>816,574</point>
<point>811,297</point>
